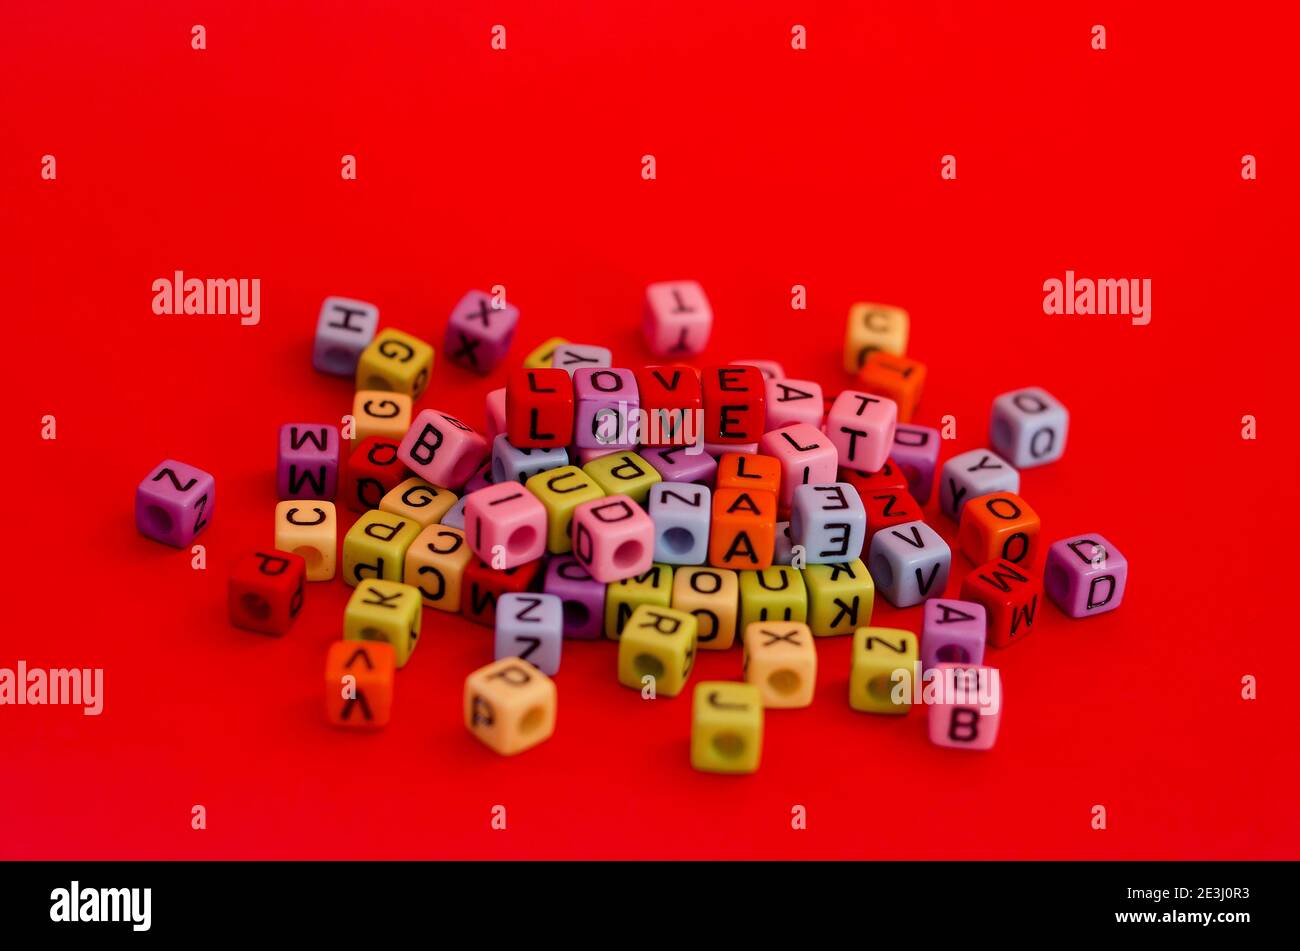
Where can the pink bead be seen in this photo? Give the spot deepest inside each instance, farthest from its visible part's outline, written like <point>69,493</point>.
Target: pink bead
<point>496,413</point>
<point>587,455</point>
<point>966,706</point>
<point>862,428</point>
<point>716,449</point>
<point>793,401</point>
<point>439,448</point>
<point>505,525</point>
<point>806,454</point>
<point>613,538</point>
<point>479,334</point>
<point>677,318</point>
<point>770,369</point>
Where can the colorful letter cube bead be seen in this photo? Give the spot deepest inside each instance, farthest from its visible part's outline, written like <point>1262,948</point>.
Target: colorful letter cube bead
<point>713,596</point>
<point>530,627</point>
<point>672,402</point>
<point>735,405</point>
<point>793,401</point>
<point>419,501</point>
<point>829,521</point>
<point>681,464</point>
<point>374,469</point>
<point>883,670</point>
<point>543,353</point>
<point>561,491</point>
<point>435,564</point>
<point>899,378</point>
<point>310,529</point>
<point>887,508</point>
<point>387,611</point>
<point>1009,594</point>
<point>726,727</point>
<point>889,476</point>
<point>494,410</point>
<point>680,513</point>
<point>909,563</point>
<point>505,525</point>
<point>658,643</point>
<point>395,361</point>
<point>307,463</point>
<point>539,408</point>
<point>952,632</point>
<point>967,709</point>
<point>380,413</point>
<point>743,529</point>
<point>676,318</point>
<point>861,427</point>
<point>741,470</point>
<point>1028,427</point>
<point>512,464</point>
<point>606,408</point>
<point>441,449</point>
<point>1085,575</point>
<point>916,453</point>
<point>623,473</point>
<point>873,327</point>
<point>359,679</point>
<point>652,588</point>
<point>265,592</point>
<point>455,517</point>
<point>613,537</point>
<point>999,525</point>
<point>482,586</point>
<point>344,329</point>
<point>770,369</point>
<point>510,705</point>
<point>806,456</point>
<point>840,597</point>
<point>783,554</point>
<point>174,502</point>
<point>479,331</point>
<point>375,547</point>
<point>781,661</point>
<point>772,594</point>
<point>582,597</point>
<point>571,357</point>
<point>972,474</point>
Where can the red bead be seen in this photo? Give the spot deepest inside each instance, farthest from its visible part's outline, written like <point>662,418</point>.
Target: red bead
<point>667,395</point>
<point>373,470</point>
<point>735,407</point>
<point>539,408</point>
<point>1009,594</point>
<point>887,507</point>
<point>483,584</point>
<point>266,591</point>
<point>889,476</point>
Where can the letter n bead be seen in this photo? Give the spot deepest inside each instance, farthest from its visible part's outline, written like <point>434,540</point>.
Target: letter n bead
<point>1085,575</point>
<point>883,658</point>
<point>359,684</point>
<point>680,513</point>
<point>530,627</point>
<point>479,335</point>
<point>539,408</point>
<point>265,592</point>
<point>510,705</point>
<point>174,503</point>
<point>505,520</point>
<point>613,538</point>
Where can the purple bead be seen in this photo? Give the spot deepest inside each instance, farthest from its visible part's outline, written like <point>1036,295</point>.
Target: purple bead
<point>307,466</point>
<point>606,401</point>
<point>1085,575</point>
<point>916,453</point>
<point>676,464</point>
<point>583,597</point>
<point>481,478</point>
<point>952,632</point>
<point>478,334</point>
<point>174,503</point>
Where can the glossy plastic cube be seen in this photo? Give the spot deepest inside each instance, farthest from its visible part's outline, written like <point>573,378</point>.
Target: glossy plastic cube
<point>713,596</point>
<point>652,588</point>
<point>657,643</point>
<point>672,402</point>
<point>344,329</point>
<point>606,408</point>
<point>510,705</point>
<point>395,361</point>
<point>772,594</point>
<point>561,491</point>
<point>174,503</point>
<point>359,678</point>
<point>793,401</point>
<point>916,453</point>
<point>1009,594</point>
<point>999,525</point>
<point>873,327</point>
<point>307,461</point>
<point>613,538</point>
<point>530,627</point>
<point>726,727</point>
<point>1085,575</point>
<point>781,661</point>
<point>952,632</point>
<point>505,525</point>
<point>623,473</point>
<point>571,357</point>
<point>741,470</point>
<point>742,533</point>
<point>435,565</point>
<point>539,408</point>
<point>806,455</point>
<point>682,464</point>
<point>840,597</point>
<point>376,545</point>
<point>582,597</point>
<point>380,413</point>
<point>967,709</point>
<point>680,513</point>
<point>1029,427</point>
<point>676,318</point>
<point>899,378</point>
<point>419,501</point>
<point>441,449</point>
<point>830,522</point>
<point>909,563</point>
<point>512,464</point>
<point>483,586</point>
<point>265,591</point>
<point>309,528</point>
<point>381,610</point>
<point>735,405</point>
<point>972,474</point>
<point>882,672</point>
<point>373,469</point>
<point>480,331</point>
<point>861,427</point>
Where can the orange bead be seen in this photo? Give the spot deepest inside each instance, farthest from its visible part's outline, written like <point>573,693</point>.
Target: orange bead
<point>359,683</point>
<point>742,470</point>
<point>898,378</point>
<point>998,526</point>
<point>743,533</point>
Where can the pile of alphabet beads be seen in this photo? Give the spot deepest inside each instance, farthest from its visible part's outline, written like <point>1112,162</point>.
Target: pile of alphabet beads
<point>669,508</point>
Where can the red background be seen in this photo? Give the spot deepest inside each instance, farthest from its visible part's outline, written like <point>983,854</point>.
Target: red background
<point>775,167</point>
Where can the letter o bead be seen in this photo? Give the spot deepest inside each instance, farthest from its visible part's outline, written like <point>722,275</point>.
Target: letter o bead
<point>1028,427</point>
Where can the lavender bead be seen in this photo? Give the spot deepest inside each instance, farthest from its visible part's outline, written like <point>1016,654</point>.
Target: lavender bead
<point>583,597</point>
<point>174,503</point>
<point>307,465</point>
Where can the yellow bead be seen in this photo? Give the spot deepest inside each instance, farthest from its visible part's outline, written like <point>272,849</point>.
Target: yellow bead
<point>772,594</point>
<point>397,362</point>
<point>542,356</point>
<point>883,669</point>
<point>713,596</point>
<point>561,491</point>
<point>309,528</point>
<point>375,546</point>
<point>435,564</point>
<point>840,597</point>
<point>653,588</point>
<point>623,473</point>
<point>726,727</point>
<point>384,611</point>
<point>781,661</point>
<point>874,327</point>
<point>380,413</point>
<point>657,643</point>
<point>510,705</point>
<point>422,502</point>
